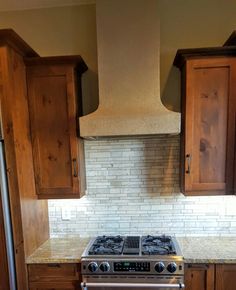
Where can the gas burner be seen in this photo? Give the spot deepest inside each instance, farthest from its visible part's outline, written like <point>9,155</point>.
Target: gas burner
<point>157,245</point>
<point>109,239</point>
<point>107,245</point>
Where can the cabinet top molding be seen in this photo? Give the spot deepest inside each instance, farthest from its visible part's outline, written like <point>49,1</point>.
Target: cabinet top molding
<point>11,38</point>
<point>231,40</point>
<point>183,54</point>
<point>228,49</point>
<point>75,60</point>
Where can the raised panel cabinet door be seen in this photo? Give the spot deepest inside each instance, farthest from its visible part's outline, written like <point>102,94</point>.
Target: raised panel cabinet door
<point>226,277</point>
<point>53,112</point>
<point>199,277</point>
<point>209,126</point>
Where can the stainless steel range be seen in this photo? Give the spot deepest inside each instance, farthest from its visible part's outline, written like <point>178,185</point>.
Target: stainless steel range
<point>131,262</point>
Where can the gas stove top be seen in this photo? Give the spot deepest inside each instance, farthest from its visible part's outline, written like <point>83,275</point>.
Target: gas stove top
<point>132,245</point>
<point>128,255</point>
<point>132,262</point>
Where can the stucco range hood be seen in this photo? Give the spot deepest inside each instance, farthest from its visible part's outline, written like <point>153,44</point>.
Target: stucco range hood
<point>128,70</point>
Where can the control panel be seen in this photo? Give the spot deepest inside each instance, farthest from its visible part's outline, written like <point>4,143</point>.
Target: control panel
<point>126,266</point>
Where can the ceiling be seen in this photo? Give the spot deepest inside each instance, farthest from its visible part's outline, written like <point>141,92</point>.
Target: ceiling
<point>9,5</point>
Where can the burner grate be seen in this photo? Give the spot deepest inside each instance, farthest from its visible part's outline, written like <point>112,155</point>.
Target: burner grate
<point>158,245</point>
<point>107,245</point>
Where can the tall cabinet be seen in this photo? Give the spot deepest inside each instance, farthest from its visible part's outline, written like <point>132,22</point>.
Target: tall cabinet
<point>208,120</point>
<point>29,216</point>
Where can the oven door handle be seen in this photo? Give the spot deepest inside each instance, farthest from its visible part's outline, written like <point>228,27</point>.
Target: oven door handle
<point>85,285</point>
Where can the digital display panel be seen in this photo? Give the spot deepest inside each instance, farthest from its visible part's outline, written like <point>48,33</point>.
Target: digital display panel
<point>126,266</point>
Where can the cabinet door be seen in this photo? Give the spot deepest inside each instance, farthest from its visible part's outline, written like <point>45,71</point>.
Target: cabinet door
<point>225,277</point>
<point>199,277</point>
<point>209,126</point>
<point>54,276</point>
<point>53,112</point>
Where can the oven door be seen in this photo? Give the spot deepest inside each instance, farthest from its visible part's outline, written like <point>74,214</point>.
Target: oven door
<point>131,282</point>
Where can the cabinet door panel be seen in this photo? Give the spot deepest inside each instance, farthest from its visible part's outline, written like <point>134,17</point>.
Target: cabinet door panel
<point>225,277</point>
<point>49,272</point>
<point>52,103</point>
<point>199,277</point>
<point>209,130</point>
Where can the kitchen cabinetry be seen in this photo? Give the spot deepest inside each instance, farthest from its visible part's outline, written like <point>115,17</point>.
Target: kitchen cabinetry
<point>54,276</point>
<point>210,276</point>
<point>225,277</point>
<point>29,216</point>
<point>208,121</point>
<point>54,106</point>
<point>199,277</point>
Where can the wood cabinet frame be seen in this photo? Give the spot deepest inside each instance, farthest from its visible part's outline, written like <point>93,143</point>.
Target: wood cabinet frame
<point>190,63</point>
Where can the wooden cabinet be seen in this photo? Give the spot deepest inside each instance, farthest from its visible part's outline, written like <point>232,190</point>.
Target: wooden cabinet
<point>54,276</point>
<point>25,208</point>
<point>54,105</point>
<point>210,276</point>
<point>199,277</point>
<point>208,122</point>
<point>225,277</point>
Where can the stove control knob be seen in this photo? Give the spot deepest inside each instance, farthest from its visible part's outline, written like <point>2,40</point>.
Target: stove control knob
<point>105,267</point>
<point>172,267</point>
<point>159,267</point>
<point>93,267</point>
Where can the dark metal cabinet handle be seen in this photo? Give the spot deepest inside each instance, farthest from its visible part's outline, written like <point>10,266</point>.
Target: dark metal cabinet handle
<point>189,159</point>
<point>75,167</point>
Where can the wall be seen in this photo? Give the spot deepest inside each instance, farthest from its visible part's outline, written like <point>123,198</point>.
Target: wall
<point>72,30</point>
<point>61,31</point>
<point>148,201</point>
<point>133,187</point>
<point>189,24</point>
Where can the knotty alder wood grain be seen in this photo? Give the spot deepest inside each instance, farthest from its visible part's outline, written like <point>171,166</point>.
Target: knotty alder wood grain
<point>225,277</point>
<point>58,162</point>
<point>208,125</point>
<point>210,276</point>
<point>29,215</point>
<point>54,276</point>
<point>199,277</point>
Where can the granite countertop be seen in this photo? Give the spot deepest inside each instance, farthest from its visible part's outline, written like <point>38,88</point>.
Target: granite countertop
<point>208,249</point>
<point>59,250</point>
<point>194,249</point>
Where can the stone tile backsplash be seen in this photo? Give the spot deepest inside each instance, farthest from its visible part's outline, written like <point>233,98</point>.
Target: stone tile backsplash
<point>133,188</point>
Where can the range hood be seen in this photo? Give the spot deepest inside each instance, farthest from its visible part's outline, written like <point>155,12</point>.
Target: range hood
<point>129,73</point>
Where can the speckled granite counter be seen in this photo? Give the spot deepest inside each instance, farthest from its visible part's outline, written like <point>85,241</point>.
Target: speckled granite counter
<point>57,250</point>
<point>195,250</point>
<point>208,249</point>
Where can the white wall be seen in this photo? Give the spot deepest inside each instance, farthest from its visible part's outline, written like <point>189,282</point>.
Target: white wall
<point>133,187</point>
